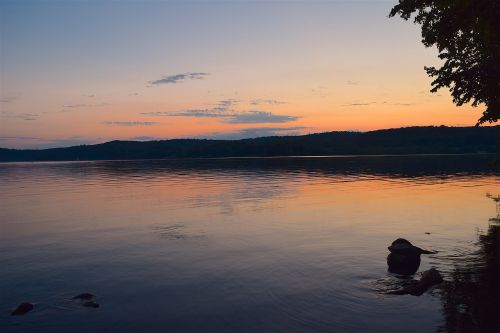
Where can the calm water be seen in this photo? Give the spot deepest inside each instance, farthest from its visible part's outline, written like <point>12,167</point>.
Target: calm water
<point>240,245</point>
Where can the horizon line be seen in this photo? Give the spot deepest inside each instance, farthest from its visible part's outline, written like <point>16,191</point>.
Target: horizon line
<point>252,138</point>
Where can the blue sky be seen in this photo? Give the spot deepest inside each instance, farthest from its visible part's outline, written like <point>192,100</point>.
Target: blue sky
<point>92,71</point>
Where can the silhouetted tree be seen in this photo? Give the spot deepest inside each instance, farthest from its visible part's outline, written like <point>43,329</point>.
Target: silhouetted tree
<point>467,35</point>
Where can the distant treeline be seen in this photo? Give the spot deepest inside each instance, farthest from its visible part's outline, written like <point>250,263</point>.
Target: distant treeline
<point>408,140</point>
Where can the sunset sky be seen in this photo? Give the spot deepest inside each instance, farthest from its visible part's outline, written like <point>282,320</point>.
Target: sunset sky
<point>80,72</point>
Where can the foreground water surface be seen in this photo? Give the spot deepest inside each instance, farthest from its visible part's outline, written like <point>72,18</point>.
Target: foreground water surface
<point>247,245</point>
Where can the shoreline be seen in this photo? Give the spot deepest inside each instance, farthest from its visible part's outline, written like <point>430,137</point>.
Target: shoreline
<point>248,158</point>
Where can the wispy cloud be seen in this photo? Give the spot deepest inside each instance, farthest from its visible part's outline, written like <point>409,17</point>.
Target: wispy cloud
<point>255,132</point>
<point>74,106</point>
<point>83,105</point>
<point>256,117</point>
<point>196,113</point>
<point>226,103</point>
<point>320,91</point>
<point>352,83</point>
<point>360,103</point>
<point>144,138</point>
<point>227,112</point>
<point>23,116</point>
<point>7,99</point>
<point>266,102</point>
<point>71,107</point>
<point>131,123</point>
<point>399,104</point>
<point>178,78</point>
<point>230,116</point>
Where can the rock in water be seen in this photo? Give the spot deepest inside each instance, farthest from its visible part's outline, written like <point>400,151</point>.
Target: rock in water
<point>403,265</point>
<point>22,309</point>
<point>91,304</point>
<point>429,279</point>
<point>84,297</point>
<point>404,247</point>
<point>404,258</point>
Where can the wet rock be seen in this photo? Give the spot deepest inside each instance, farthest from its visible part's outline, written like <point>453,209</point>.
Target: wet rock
<point>429,279</point>
<point>84,297</point>
<point>403,246</point>
<point>22,309</point>
<point>404,258</point>
<point>91,304</point>
<point>403,265</point>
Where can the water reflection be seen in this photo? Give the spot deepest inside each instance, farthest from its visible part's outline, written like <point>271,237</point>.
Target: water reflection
<point>271,245</point>
<point>471,295</point>
<point>175,232</point>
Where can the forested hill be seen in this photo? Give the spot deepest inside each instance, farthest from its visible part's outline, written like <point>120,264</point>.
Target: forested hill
<point>408,140</point>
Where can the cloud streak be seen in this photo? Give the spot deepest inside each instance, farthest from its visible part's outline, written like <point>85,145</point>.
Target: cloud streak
<point>229,116</point>
<point>70,107</point>
<point>145,138</point>
<point>225,110</point>
<point>256,117</point>
<point>255,132</point>
<point>23,116</point>
<point>266,102</point>
<point>361,103</point>
<point>399,104</point>
<point>195,113</point>
<point>179,78</point>
<point>131,123</point>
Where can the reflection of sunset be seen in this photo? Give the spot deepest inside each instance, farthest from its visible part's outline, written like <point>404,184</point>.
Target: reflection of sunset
<point>286,234</point>
<point>321,198</point>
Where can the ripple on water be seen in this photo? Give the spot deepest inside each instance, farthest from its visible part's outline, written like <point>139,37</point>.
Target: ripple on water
<point>290,245</point>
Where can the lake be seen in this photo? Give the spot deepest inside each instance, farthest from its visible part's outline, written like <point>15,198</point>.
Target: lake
<point>248,245</point>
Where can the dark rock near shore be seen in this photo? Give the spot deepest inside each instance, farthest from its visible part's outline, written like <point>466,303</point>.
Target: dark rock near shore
<point>91,304</point>
<point>403,265</point>
<point>403,246</point>
<point>87,300</point>
<point>404,258</point>
<point>84,297</point>
<point>22,309</point>
<point>429,279</point>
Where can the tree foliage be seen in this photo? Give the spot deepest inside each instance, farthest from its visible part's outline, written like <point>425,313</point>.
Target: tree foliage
<point>409,140</point>
<point>467,35</point>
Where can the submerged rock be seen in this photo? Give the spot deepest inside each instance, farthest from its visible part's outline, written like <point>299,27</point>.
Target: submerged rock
<point>91,304</point>
<point>86,299</point>
<point>22,309</point>
<point>429,279</point>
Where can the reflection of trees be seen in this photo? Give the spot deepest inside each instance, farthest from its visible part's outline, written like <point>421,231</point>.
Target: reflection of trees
<point>433,167</point>
<point>471,296</point>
